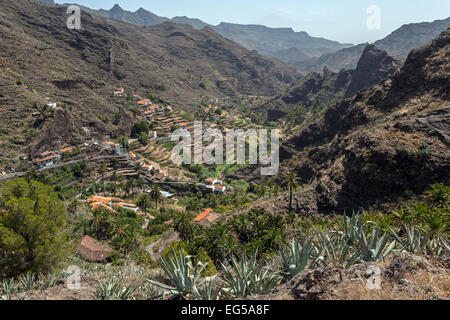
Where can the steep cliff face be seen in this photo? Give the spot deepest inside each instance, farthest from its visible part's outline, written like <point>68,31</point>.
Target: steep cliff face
<point>386,142</point>
<point>313,94</point>
<point>374,66</point>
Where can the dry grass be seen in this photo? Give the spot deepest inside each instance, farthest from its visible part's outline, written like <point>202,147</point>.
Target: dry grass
<point>421,285</point>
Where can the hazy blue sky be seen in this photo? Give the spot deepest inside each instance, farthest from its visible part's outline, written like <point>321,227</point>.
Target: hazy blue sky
<point>341,20</point>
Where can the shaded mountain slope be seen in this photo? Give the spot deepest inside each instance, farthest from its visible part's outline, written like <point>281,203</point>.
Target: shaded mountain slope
<point>386,142</point>
<point>374,66</point>
<point>313,93</point>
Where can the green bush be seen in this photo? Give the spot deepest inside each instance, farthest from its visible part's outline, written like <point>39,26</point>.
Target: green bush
<point>32,223</point>
<point>202,256</point>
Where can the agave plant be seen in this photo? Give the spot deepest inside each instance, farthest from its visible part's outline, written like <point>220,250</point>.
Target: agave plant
<point>374,249</point>
<point>184,277</point>
<point>248,276</point>
<point>335,250</point>
<point>48,281</point>
<point>352,227</point>
<point>8,287</point>
<point>150,292</point>
<point>295,256</point>
<point>419,243</point>
<point>113,289</point>
<point>206,290</point>
<point>28,281</point>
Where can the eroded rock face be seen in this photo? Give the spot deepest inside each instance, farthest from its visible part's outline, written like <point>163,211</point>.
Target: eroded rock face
<point>374,66</point>
<point>383,144</point>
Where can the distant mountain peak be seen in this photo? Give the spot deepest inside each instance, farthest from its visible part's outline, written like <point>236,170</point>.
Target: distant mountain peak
<point>116,8</point>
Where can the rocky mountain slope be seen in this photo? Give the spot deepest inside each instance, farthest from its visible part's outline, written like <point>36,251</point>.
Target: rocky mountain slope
<point>374,66</point>
<point>281,43</point>
<point>386,142</point>
<point>317,91</point>
<point>398,44</point>
<point>41,60</point>
<point>313,93</point>
<point>309,54</point>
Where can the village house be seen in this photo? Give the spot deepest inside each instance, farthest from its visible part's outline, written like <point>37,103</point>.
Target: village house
<point>147,167</point>
<point>65,150</point>
<point>120,92</point>
<point>105,200</point>
<point>97,205</point>
<point>127,206</point>
<point>92,249</point>
<point>112,146</point>
<point>46,159</point>
<point>51,106</point>
<point>183,125</point>
<point>144,102</point>
<point>206,218</point>
<point>131,155</point>
<point>219,188</point>
<point>212,181</point>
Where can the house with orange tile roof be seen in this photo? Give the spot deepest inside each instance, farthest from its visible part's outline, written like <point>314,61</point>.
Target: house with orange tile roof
<point>104,200</point>
<point>207,217</point>
<point>45,162</point>
<point>219,188</point>
<point>65,150</point>
<point>147,167</point>
<point>212,181</point>
<point>92,249</point>
<point>203,215</point>
<point>96,205</point>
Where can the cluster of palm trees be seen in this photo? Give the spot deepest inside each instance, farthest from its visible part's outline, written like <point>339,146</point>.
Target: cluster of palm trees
<point>122,231</point>
<point>145,200</point>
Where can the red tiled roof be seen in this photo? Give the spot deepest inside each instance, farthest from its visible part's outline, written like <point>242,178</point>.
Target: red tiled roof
<point>46,159</point>
<point>66,149</point>
<point>203,215</point>
<point>102,199</point>
<point>93,249</point>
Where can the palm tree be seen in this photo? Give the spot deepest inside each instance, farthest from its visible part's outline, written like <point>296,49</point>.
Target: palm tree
<point>271,185</point>
<point>184,226</point>
<point>291,179</point>
<point>138,168</point>
<point>82,223</point>
<point>144,202</point>
<point>101,171</point>
<point>128,186</point>
<point>73,206</point>
<point>156,194</point>
<point>114,177</point>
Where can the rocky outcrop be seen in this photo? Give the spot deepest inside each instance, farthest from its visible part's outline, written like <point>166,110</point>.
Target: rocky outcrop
<point>315,92</point>
<point>403,278</point>
<point>383,144</point>
<point>374,66</point>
